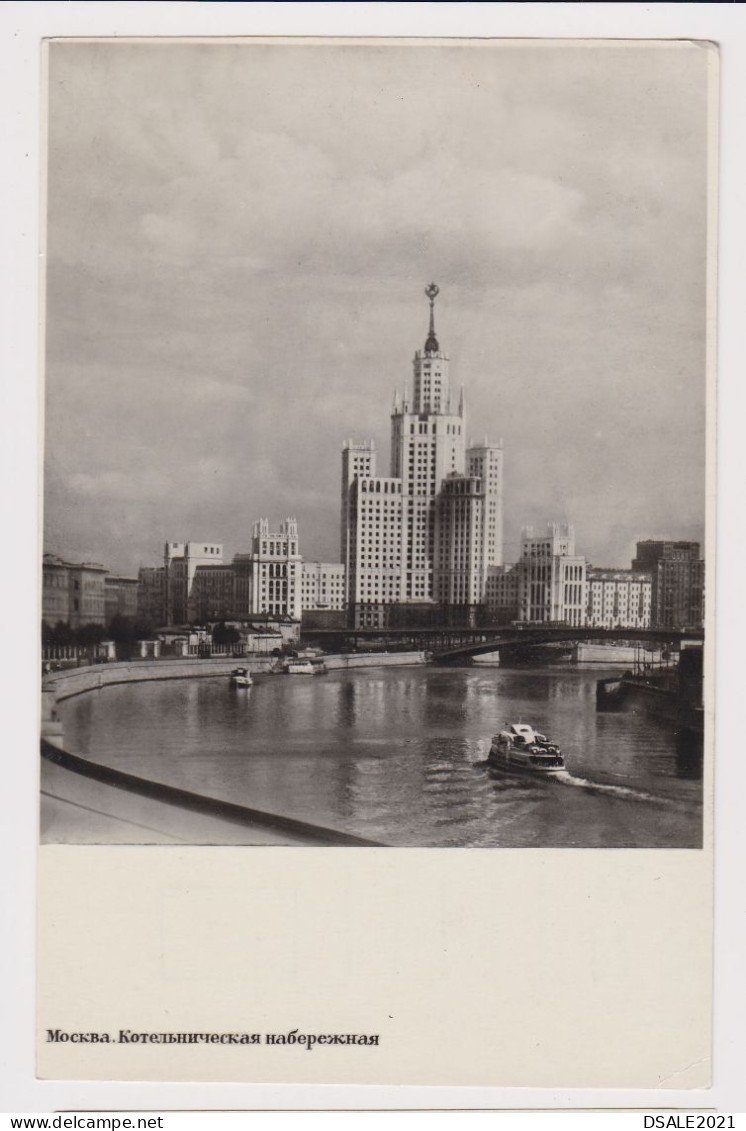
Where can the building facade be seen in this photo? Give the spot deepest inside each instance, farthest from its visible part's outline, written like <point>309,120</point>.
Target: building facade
<point>195,586</point>
<point>618,598</point>
<point>73,593</point>
<point>405,536</point>
<point>120,597</point>
<point>552,577</point>
<point>322,586</point>
<point>375,563</point>
<point>180,563</point>
<point>678,582</point>
<point>268,580</point>
<point>503,593</point>
<point>151,595</point>
<point>459,538</point>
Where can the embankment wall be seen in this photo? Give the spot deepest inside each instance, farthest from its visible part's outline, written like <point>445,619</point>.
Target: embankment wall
<point>64,684</point>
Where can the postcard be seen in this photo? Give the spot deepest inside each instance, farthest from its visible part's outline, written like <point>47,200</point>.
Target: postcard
<point>378,567</point>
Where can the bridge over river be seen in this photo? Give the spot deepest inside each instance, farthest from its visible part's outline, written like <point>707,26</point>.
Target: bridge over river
<point>454,645</point>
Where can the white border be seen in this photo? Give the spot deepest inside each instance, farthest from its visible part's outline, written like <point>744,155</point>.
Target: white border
<point>22,26</point>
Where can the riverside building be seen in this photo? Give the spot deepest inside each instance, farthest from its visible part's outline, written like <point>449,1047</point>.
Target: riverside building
<point>426,534</point>
<point>73,593</point>
<point>180,563</point>
<point>678,582</point>
<point>195,586</point>
<point>553,577</point>
<point>618,598</point>
<point>322,587</point>
<point>268,580</point>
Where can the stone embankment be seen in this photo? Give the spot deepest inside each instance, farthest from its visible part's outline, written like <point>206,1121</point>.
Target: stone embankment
<point>74,681</point>
<point>122,808</point>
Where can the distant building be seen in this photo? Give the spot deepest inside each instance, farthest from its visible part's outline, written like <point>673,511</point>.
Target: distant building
<point>72,592</point>
<point>678,582</point>
<point>120,597</point>
<point>322,586</point>
<point>268,580</point>
<point>212,595</point>
<point>151,595</point>
<point>618,598</point>
<point>180,562</point>
<point>553,577</point>
<point>195,586</point>
<point>503,593</point>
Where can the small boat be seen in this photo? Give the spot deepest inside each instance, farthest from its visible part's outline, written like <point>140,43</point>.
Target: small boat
<point>304,667</point>
<point>241,677</point>
<point>521,748</point>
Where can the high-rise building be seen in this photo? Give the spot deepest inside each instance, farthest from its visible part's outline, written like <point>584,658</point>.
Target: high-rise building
<point>617,598</point>
<point>374,564</point>
<point>428,441</point>
<point>459,538</point>
<point>428,532</point>
<point>486,461</point>
<point>553,577</point>
<point>358,459</point>
<point>678,582</point>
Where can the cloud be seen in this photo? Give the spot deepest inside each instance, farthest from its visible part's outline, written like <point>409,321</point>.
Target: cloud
<point>238,242</point>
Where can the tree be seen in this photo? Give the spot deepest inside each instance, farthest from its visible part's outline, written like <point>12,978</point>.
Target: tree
<point>224,633</point>
<point>62,634</point>
<point>91,634</point>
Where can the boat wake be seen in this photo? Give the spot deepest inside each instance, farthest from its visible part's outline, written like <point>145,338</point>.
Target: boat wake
<point>566,778</point>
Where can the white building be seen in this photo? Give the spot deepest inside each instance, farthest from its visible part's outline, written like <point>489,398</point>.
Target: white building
<point>358,459</point>
<point>618,598</point>
<point>268,580</point>
<point>374,569</point>
<point>553,577</point>
<point>486,461</point>
<point>391,542</point>
<point>322,586</point>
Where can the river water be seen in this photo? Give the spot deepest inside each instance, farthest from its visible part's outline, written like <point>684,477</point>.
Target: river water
<point>397,754</point>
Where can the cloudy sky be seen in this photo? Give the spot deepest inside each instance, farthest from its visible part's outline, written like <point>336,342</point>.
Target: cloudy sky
<point>238,241</point>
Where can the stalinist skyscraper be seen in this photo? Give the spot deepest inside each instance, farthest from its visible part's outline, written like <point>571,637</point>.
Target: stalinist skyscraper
<point>428,532</point>
<point>427,444</point>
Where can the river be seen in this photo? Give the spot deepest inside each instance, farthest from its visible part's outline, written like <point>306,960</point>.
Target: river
<point>397,754</point>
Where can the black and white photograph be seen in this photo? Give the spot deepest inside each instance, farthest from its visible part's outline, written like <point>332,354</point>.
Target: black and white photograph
<point>376,443</point>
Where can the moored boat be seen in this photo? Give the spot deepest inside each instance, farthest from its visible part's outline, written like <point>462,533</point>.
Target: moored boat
<point>522,749</point>
<point>304,667</point>
<point>241,677</point>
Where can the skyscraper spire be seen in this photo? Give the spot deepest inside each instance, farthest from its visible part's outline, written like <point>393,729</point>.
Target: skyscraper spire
<point>431,345</point>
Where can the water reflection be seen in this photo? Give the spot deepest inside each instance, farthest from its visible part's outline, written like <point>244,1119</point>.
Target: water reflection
<point>398,754</point>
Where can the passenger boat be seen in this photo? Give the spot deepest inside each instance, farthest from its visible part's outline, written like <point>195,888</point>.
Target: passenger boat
<point>241,677</point>
<point>521,748</point>
<point>304,667</point>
